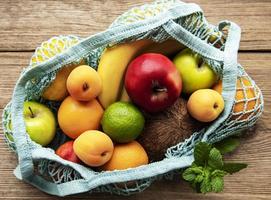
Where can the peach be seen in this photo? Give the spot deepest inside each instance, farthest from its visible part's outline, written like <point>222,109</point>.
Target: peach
<point>66,152</point>
<point>84,83</point>
<point>205,105</point>
<point>126,156</point>
<point>76,117</point>
<point>94,148</point>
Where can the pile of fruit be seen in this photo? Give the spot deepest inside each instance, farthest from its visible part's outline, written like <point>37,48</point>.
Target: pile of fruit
<point>128,112</point>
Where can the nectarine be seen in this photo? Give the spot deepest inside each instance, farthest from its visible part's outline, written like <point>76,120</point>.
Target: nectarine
<point>66,152</point>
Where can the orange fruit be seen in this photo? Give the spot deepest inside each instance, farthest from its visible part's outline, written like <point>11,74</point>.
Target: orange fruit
<point>126,156</point>
<point>76,117</point>
<point>84,83</point>
<point>244,94</point>
<point>94,148</point>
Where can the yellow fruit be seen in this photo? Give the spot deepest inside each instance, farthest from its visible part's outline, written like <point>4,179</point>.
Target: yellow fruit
<point>205,105</point>
<point>57,89</point>
<point>112,67</point>
<point>126,156</point>
<point>242,92</point>
<point>75,117</point>
<point>84,83</point>
<point>94,148</point>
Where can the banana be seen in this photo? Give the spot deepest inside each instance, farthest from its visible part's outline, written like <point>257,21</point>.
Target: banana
<point>112,66</point>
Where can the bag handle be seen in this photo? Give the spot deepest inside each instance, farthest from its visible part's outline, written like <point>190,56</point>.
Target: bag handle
<point>229,77</point>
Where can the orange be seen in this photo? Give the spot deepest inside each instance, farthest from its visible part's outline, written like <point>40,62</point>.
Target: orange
<point>243,94</point>
<point>84,83</point>
<point>76,117</point>
<point>126,156</point>
<point>94,148</point>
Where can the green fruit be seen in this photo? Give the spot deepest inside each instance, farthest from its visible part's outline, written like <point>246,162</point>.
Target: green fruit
<point>195,73</point>
<point>40,122</point>
<point>122,122</point>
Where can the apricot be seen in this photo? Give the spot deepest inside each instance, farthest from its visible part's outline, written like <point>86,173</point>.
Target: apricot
<point>84,83</point>
<point>76,117</point>
<point>243,90</point>
<point>94,148</point>
<point>205,105</point>
<point>126,156</point>
<point>66,152</point>
<point>57,90</point>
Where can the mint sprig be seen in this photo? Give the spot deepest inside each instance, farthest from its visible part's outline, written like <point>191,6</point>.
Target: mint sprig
<point>206,174</point>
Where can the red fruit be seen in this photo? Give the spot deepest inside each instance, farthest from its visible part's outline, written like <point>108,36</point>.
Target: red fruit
<point>66,152</point>
<point>153,82</point>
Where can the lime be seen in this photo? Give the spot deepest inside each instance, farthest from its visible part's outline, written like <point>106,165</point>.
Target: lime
<point>122,122</point>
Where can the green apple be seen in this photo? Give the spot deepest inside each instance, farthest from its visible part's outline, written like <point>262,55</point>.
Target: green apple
<point>40,122</point>
<point>195,73</point>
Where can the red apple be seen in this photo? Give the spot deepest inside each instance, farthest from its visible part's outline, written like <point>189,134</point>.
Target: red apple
<point>153,82</point>
<point>66,152</point>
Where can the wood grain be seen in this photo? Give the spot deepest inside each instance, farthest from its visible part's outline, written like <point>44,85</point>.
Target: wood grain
<point>251,183</point>
<point>25,24</point>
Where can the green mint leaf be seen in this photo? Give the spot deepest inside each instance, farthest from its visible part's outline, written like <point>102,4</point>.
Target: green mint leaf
<point>217,184</point>
<point>199,178</point>
<point>233,167</point>
<point>218,172</point>
<point>228,145</point>
<point>205,185</point>
<point>189,175</point>
<point>215,159</point>
<point>201,153</point>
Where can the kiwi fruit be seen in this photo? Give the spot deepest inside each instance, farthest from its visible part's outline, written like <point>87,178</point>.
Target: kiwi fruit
<point>168,128</point>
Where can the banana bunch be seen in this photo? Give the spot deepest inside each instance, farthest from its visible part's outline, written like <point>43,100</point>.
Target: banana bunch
<point>115,60</point>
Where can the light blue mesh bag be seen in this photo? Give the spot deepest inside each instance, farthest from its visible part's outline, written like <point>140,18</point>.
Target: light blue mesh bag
<point>159,21</point>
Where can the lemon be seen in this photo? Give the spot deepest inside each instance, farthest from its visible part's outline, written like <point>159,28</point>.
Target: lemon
<point>122,122</point>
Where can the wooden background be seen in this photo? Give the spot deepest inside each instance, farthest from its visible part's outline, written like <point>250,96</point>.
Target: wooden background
<point>25,24</point>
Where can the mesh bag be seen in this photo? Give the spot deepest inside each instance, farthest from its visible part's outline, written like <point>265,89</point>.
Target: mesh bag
<point>158,21</point>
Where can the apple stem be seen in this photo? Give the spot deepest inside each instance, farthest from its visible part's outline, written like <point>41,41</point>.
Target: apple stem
<point>160,89</point>
<point>32,114</point>
<point>85,86</point>
<point>156,87</point>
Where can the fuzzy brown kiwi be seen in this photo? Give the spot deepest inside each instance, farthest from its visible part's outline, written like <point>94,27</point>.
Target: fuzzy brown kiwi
<point>168,128</point>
